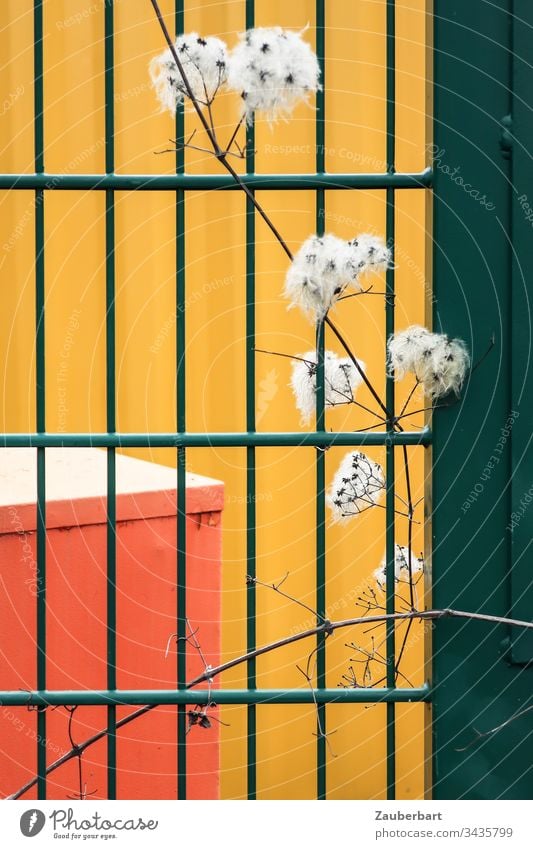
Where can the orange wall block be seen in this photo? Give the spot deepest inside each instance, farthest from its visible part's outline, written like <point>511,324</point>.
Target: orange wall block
<point>76,617</point>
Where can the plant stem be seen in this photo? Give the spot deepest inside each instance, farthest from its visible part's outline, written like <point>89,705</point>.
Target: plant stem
<point>218,152</point>
<point>325,628</point>
<point>351,355</point>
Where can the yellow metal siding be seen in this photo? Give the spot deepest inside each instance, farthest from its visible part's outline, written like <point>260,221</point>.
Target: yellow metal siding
<point>145,222</point>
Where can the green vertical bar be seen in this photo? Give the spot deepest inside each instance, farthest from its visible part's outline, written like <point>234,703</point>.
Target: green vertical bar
<point>40,391</point>
<point>521,532</point>
<point>320,424</point>
<point>38,86</point>
<point>389,322</point>
<point>251,518</point>
<point>110,401</point>
<point>181,544</point>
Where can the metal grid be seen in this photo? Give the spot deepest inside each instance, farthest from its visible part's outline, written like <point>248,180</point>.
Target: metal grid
<point>181,182</point>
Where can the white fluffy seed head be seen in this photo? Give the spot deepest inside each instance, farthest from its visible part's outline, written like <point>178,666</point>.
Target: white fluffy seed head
<point>358,484</point>
<point>325,265</point>
<point>341,380</point>
<point>450,362</point>
<point>369,253</point>
<point>205,63</point>
<point>406,349</point>
<point>438,362</point>
<point>401,566</point>
<point>317,275</point>
<point>272,69</point>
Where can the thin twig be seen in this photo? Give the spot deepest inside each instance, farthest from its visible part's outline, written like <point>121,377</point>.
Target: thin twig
<point>326,628</point>
<point>234,134</point>
<point>356,294</point>
<point>483,356</point>
<point>376,504</point>
<point>362,374</point>
<point>375,656</point>
<point>185,145</point>
<point>71,711</point>
<point>504,724</point>
<point>402,649</point>
<point>276,588</point>
<point>309,675</point>
<point>218,152</point>
<point>311,364</point>
<point>412,392</point>
<point>83,792</point>
<point>191,640</point>
<point>331,626</point>
<point>200,716</point>
<point>221,156</point>
<point>410,511</point>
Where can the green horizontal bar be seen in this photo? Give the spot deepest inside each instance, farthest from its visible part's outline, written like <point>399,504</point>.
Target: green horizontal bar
<point>207,440</point>
<point>43,698</point>
<point>151,182</point>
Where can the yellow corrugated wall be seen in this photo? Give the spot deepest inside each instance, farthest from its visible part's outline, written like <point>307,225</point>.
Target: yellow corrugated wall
<point>75,342</point>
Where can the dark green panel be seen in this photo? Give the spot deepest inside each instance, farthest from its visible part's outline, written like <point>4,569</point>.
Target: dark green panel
<point>521,519</point>
<point>474,685</point>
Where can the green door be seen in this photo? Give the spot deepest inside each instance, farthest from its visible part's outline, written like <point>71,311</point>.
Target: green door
<point>483,458</point>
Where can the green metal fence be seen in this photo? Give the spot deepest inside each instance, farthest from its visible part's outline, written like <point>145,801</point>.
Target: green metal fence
<point>41,183</point>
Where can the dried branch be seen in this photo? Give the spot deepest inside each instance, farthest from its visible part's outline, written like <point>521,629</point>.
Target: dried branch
<point>312,365</point>
<point>217,150</point>
<point>326,627</point>
<point>198,716</point>
<point>406,404</point>
<point>234,134</point>
<point>83,792</point>
<point>357,294</point>
<point>354,360</point>
<point>376,657</point>
<point>491,345</point>
<point>183,145</point>
<point>221,156</point>
<point>329,627</point>
<point>480,734</point>
<point>309,673</point>
<point>276,588</point>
